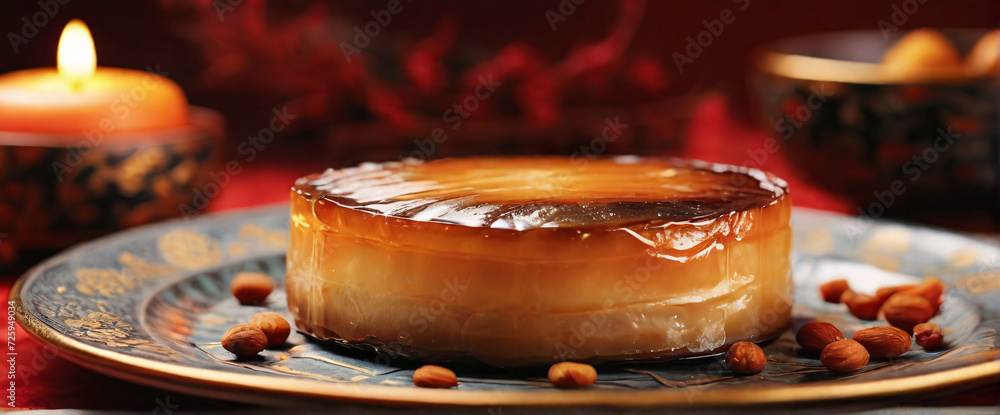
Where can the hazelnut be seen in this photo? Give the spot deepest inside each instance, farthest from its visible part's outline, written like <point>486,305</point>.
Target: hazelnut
<point>884,341</point>
<point>275,327</point>
<point>251,287</point>
<point>905,311</point>
<point>832,290</point>
<point>244,340</point>
<point>862,306</point>
<point>431,376</point>
<point>844,356</point>
<point>745,358</point>
<point>928,335</point>
<point>816,335</point>
<point>572,375</point>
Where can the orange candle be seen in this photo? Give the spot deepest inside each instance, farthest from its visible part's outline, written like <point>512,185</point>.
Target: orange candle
<point>80,98</point>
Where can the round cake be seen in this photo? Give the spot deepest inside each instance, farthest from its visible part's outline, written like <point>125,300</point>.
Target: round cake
<point>533,260</point>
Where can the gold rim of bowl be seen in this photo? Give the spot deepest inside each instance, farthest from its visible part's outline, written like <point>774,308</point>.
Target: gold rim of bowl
<point>769,59</point>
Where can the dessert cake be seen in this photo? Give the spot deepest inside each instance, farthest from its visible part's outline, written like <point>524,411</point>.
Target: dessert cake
<point>533,260</point>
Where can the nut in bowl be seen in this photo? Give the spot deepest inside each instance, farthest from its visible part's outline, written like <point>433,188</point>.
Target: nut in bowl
<point>875,119</point>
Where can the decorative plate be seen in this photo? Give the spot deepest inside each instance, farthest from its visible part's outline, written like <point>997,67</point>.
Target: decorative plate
<point>151,304</point>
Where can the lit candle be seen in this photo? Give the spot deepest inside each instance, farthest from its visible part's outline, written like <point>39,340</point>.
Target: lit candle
<point>80,97</point>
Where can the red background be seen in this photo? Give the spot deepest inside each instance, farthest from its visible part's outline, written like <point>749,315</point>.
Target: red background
<point>168,32</point>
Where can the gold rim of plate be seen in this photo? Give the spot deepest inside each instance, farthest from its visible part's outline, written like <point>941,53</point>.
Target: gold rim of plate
<point>290,390</point>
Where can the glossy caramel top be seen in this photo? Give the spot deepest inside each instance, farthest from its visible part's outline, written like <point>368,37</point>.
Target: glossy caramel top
<point>546,192</point>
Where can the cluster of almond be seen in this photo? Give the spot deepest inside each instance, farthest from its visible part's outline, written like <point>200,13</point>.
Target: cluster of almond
<point>842,355</point>
<point>563,375</point>
<point>903,306</point>
<point>266,329</point>
<point>907,308</point>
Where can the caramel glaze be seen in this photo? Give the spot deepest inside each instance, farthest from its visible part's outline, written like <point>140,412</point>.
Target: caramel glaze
<point>564,197</point>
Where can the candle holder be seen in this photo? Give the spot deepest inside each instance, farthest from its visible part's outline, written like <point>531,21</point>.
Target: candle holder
<point>60,189</point>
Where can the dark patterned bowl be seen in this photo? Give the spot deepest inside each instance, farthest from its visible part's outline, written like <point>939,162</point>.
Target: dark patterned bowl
<point>921,145</point>
<point>53,196</point>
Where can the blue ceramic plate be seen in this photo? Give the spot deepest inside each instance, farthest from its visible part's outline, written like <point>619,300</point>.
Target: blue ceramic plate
<point>151,304</point>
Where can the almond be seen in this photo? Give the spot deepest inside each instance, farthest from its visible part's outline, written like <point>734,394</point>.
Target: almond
<point>844,356</point>
<point>572,375</point>
<point>431,376</point>
<point>861,306</point>
<point>244,340</point>
<point>745,358</point>
<point>884,341</point>
<point>816,335</point>
<point>928,335</point>
<point>832,290</point>
<point>275,327</point>
<point>884,293</point>
<point>932,290</point>
<point>251,287</point>
<point>905,311</point>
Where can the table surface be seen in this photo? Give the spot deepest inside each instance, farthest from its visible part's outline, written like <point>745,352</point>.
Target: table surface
<point>48,381</point>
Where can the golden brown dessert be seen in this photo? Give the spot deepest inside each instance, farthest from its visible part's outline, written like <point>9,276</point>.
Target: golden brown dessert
<point>530,261</point>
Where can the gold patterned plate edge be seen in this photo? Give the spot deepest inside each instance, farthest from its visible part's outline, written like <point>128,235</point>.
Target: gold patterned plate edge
<point>984,368</point>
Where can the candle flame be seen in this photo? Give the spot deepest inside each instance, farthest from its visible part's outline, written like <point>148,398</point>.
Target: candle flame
<point>76,58</point>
